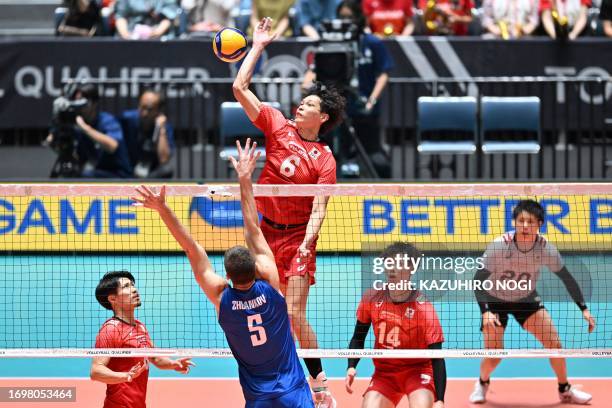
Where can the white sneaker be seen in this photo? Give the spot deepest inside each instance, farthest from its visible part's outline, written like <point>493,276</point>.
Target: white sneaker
<point>575,396</point>
<point>322,397</point>
<point>478,396</point>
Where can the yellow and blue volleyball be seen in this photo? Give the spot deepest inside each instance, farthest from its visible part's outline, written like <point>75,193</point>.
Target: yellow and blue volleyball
<point>230,44</point>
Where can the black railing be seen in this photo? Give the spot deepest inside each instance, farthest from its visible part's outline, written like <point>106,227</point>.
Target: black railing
<point>576,123</point>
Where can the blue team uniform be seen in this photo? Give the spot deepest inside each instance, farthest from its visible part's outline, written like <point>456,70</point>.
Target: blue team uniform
<point>257,328</point>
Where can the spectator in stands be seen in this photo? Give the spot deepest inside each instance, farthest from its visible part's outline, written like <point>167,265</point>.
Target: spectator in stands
<point>374,65</point>
<point>446,17</point>
<point>145,19</point>
<point>100,148</point>
<point>208,15</point>
<point>149,136</point>
<point>564,19</point>
<point>389,17</point>
<point>605,15</point>
<point>510,18</point>
<point>277,10</point>
<point>311,13</point>
<point>82,19</point>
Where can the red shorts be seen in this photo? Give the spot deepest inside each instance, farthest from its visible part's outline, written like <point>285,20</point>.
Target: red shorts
<point>284,245</point>
<point>394,385</point>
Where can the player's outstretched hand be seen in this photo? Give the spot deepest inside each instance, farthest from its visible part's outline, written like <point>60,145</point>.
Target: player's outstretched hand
<point>247,158</point>
<point>262,35</point>
<point>149,198</point>
<point>590,319</point>
<point>136,370</point>
<point>183,364</point>
<point>348,381</point>
<point>490,320</point>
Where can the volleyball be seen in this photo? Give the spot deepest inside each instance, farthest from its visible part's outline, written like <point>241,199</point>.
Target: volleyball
<point>230,44</point>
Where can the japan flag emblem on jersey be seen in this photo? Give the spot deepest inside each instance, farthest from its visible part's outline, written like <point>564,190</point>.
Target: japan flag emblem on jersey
<point>314,153</point>
<point>425,379</point>
<point>409,313</point>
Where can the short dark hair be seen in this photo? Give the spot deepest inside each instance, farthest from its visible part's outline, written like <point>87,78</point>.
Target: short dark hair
<point>357,11</point>
<point>89,92</point>
<point>400,248</point>
<point>239,265</point>
<point>109,284</point>
<point>332,103</point>
<point>530,206</point>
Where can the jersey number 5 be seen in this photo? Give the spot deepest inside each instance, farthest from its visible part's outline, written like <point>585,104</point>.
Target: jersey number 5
<point>288,165</point>
<point>259,333</point>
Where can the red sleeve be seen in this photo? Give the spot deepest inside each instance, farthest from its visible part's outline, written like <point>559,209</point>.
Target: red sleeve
<point>433,330</point>
<point>328,171</point>
<point>408,7</point>
<point>269,120</point>
<point>363,311</point>
<point>545,5</point>
<point>586,3</point>
<point>366,5</point>
<point>107,337</point>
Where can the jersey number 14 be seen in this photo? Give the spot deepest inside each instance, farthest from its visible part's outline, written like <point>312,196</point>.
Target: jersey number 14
<point>389,339</point>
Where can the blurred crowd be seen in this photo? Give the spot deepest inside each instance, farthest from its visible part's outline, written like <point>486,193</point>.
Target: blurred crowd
<point>505,19</point>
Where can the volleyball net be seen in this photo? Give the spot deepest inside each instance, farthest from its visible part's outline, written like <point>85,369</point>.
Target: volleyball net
<point>57,241</point>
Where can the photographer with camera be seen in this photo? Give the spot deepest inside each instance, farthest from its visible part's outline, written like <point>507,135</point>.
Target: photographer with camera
<point>149,136</point>
<point>373,64</point>
<point>89,143</point>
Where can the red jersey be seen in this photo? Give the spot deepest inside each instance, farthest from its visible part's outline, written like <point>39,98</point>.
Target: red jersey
<point>459,7</point>
<point>117,334</point>
<point>291,160</point>
<point>408,325</point>
<point>383,13</point>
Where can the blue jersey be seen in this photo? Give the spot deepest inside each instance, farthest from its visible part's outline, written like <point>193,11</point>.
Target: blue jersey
<point>257,328</point>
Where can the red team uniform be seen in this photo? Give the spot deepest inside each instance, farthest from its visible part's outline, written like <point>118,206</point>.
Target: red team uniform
<point>407,325</point>
<point>115,333</point>
<point>290,160</point>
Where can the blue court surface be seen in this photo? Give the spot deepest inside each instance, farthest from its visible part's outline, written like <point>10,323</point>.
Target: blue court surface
<point>48,302</point>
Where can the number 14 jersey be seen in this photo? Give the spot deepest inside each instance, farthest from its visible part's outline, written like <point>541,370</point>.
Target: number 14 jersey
<point>412,324</point>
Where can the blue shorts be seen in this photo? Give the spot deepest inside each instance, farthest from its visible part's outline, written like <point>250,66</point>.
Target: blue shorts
<point>298,398</point>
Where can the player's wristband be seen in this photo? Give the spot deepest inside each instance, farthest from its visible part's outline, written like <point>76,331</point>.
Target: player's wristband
<point>582,306</point>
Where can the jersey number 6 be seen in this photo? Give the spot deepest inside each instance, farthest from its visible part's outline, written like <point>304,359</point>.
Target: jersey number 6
<point>259,337</point>
<point>287,167</point>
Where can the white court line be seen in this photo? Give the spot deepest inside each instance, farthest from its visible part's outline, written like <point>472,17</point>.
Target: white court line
<point>329,378</point>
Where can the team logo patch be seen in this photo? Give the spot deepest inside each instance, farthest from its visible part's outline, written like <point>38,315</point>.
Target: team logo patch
<point>379,303</point>
<point>327,149</point>
<point>409,313</point>
<point>425,379</point>
<point>314,153</point>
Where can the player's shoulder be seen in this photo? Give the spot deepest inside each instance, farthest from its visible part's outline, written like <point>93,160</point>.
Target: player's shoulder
<point>502,241</point>
<point>373,295</point>
<point>110,329</point>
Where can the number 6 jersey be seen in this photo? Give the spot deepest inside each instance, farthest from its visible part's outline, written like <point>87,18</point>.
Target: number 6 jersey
<point>291,160</point>
<point>257,328</point>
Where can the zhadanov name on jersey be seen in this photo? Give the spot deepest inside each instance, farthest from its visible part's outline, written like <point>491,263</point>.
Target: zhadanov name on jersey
<point>248,304</point>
